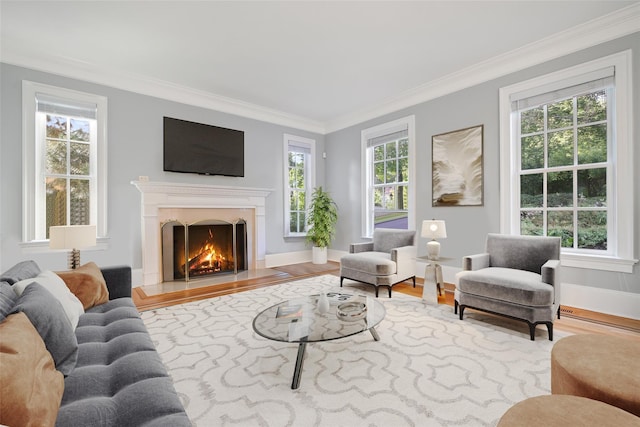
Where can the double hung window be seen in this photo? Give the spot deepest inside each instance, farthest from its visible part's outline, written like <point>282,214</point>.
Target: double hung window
<point>299,182</point>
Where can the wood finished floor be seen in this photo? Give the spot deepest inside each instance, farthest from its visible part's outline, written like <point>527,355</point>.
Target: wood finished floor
<point>572,320</point>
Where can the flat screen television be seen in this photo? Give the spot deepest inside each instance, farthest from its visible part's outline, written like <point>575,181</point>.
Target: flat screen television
<point>203,149</point>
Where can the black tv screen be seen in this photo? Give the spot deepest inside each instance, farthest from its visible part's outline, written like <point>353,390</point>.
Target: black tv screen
<point>203,149</point>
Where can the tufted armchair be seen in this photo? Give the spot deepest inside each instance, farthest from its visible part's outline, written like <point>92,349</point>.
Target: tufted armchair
<point>386,261</point>
<point>516,276</point>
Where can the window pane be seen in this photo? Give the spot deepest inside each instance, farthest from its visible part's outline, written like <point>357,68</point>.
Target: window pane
<point>378,152</point>
<point>56,157</point>
<point>302,221</point>
<point>532,120</point>
<point>80,202</point>
<point>378,173</point>
<point>403,197</point>
<point>378,196</point>
<point>592,144</point>
<point>79,130</point>
<point>560,189</point>
<point>392,175</point>
<point>79,158</point>
<point>561,148</point>
<point>56,127</point>
<point>293,222</point>
<point>592,187</point>
<point>592,230</point>
<point>389,197</point>
<point>560,224</point>
<point>403,148</point>
<point>293,200</point>
<point>532,152</point>
<point>391,150</point>
<point>56,203</point>
<point>592,107</point>
<point>531,191</point>
<point>301,201</point>
<point>403,170</point>
<point>531,223</point>
<point>560,114</point>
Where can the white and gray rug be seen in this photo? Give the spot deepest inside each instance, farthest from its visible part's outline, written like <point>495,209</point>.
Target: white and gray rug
<point>428,369</point>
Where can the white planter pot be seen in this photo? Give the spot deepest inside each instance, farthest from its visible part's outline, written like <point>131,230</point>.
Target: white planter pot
<point>319,255</point>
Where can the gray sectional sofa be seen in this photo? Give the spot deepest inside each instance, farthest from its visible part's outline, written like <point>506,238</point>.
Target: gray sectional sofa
<point>107,373</point>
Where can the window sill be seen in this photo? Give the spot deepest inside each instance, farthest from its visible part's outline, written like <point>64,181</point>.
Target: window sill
<point>594,262</point>
<point>42,246</point>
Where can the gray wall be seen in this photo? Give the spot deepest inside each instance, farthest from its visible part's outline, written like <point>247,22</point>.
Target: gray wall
<point>135,149</point>
<point>467,226</point>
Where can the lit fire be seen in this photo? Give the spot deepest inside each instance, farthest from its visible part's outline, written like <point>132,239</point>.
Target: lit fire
<point>208,259</point>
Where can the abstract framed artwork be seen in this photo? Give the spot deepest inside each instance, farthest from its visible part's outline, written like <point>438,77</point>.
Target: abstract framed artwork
<point>457,174</point>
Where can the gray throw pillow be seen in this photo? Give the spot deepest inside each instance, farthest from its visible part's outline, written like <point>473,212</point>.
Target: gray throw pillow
<point>7,300</point>
<point>20,271</point>
<point>48,317</point>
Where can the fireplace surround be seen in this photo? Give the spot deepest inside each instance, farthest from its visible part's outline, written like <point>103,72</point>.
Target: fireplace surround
<point>191,203</point>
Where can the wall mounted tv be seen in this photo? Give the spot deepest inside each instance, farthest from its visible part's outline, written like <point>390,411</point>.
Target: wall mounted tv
<point>203,149</point>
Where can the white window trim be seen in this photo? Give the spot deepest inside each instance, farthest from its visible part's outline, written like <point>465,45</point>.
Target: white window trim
<point>310,182</point>
<point>409,123</point>
<point>29,160</point>
<point>623,208</point>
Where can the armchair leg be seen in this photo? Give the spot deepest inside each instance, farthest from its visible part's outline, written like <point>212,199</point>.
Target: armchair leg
<point>558,311</point>
<point>455,307</point>
<point>341,279</point>
<point>462,307</point>
<point>389,291</point>
<point>414,281</point>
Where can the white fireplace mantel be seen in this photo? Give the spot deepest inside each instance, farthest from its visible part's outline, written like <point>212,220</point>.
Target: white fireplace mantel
<point>161,195</point>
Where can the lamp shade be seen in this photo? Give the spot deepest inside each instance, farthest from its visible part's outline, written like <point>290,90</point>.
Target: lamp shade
<point>434,229</point>
<point>72,236</point>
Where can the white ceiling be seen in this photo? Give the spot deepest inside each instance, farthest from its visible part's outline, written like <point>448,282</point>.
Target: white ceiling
<point>319,63</point>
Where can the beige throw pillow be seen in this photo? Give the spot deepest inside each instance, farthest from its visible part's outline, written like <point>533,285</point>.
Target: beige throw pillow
<point>87,283</point>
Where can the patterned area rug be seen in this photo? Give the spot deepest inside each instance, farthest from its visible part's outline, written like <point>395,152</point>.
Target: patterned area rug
<point>428,369</point>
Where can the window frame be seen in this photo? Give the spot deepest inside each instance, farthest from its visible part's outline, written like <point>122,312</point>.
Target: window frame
<point>310,178</point>
<point>620,242</point>
<point>33,164</point>
<point>405,123</point>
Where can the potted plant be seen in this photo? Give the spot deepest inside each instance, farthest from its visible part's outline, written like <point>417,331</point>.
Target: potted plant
<point>322,218</point>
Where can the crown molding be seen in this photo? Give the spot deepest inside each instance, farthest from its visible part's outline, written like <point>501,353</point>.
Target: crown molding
<point>606,28</point>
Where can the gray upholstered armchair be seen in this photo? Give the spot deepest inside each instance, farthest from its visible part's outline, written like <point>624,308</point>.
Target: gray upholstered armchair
<point>517,277</point>
<point>386,261</point>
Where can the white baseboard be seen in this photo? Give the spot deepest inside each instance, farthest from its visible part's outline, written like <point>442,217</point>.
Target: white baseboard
<point>616,303</point>
<point>286,258</point>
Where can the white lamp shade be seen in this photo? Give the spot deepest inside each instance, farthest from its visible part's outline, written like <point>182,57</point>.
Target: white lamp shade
<point>434,229</point>
<point>72,236</point>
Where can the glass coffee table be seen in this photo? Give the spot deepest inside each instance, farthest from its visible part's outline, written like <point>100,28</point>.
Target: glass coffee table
<point>303,320</point>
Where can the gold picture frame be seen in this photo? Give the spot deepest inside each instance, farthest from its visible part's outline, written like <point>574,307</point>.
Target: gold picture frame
<point>457,167</point>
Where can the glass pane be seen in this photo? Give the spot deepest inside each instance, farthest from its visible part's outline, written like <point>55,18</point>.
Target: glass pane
<point>302,200</point>
<point>531,223</point>
<point>403,170</point>
<point>292,177</point>
<point>560,224</point>
<point>592,144</point>
<point>532,120</point>
<point>299,176</point>
<point>592,230</point>
<point>378,173</point>
<point>560,114</point>
<point>79,160</point>
<point>561,148</point>
<point>531,191</point>
<point>293,222</point>
<point>560,189</point>
<point>532,152</point>
<point>391,150</point>
<point>80,202</point>
<point>302,221</point>
<point>378,152</point>
<point>389,197</point>
<point>56,127</point>
<point>56,157</point>
<point>392,175</point>
<point>403,197</point>
<point>403,148</point>
<point>56,203</point>
<point>293,200</point>
<point>592,107</point>
<point>592,187</point>
<point>377,197</point>
<point>79,130</point>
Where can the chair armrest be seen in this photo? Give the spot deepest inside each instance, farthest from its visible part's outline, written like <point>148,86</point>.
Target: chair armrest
<point>405,259</point>
<point>118,281</point>
<point>550,271</point>
<point>476,262</point>
<point>354,248</point>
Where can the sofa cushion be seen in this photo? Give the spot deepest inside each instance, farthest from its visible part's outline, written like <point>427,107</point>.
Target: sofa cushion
<point>31,387</point>
<point>7,300</point>
<point>54,284</point>
<point>20,271</point>
<point>386,239</point>
<point>48,317</point>
<point>87,283</point>
<point>376,263</point>
<point>506,284</point>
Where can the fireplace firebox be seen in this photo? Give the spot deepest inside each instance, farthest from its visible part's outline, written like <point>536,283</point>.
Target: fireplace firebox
<point>203,248</point>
